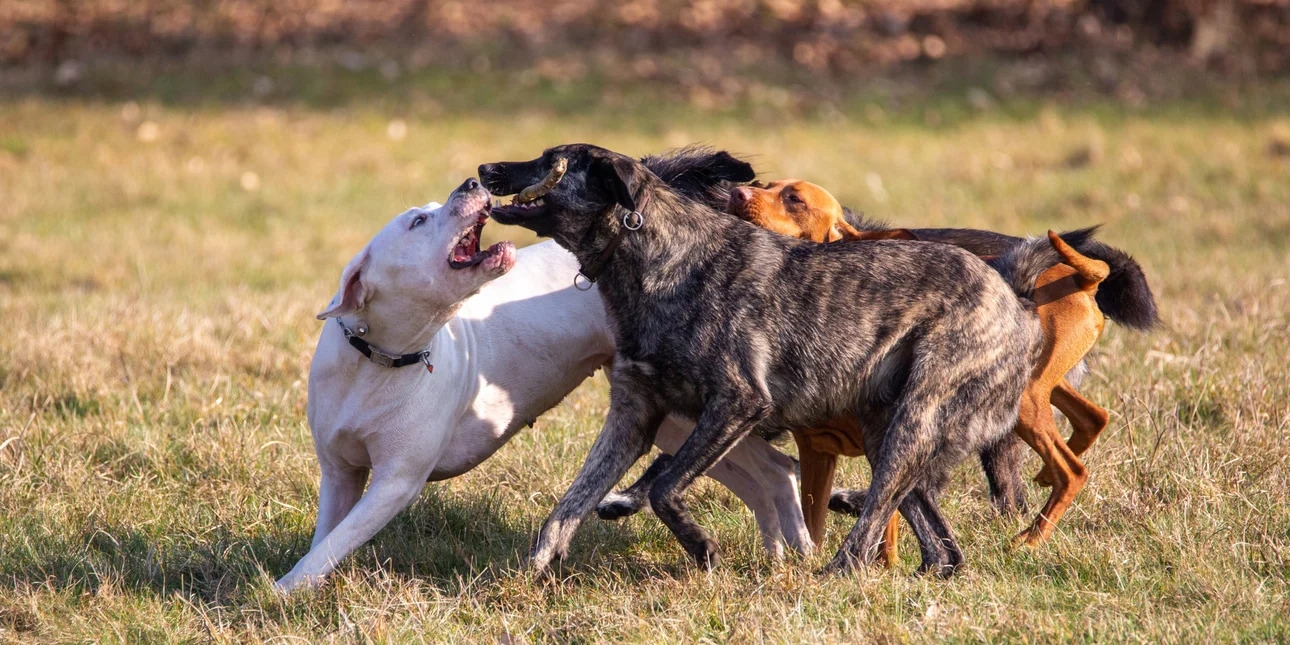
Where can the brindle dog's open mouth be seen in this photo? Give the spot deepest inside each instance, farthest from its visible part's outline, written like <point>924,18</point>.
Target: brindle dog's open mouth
<point>466,252</point>
<point>531,200</point>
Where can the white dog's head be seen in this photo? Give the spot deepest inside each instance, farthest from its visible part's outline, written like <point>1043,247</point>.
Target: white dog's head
<point>426,261</point>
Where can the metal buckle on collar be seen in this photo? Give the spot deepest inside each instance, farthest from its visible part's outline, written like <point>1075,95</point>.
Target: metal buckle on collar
<point>381,358</point>
<point>580,280</point>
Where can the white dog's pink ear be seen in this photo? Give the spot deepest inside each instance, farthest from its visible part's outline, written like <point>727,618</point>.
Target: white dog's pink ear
<point>353,292</point>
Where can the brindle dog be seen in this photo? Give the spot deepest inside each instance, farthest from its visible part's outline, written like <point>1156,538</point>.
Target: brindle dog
<point>922,345</point>
<point>712,176</point>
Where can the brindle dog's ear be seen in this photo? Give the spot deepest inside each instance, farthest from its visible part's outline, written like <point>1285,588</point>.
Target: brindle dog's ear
<point>617,175</point>
<point>723,165</point>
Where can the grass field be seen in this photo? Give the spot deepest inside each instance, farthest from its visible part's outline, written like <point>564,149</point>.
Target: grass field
<point>163,250</point>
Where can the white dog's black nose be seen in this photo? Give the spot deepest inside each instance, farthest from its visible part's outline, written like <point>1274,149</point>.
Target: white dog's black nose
<point>468,185</point>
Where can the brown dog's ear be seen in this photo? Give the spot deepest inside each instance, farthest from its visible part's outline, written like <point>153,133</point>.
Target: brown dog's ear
<point>354,292</point>
<point>841,230</point>
<point>619,176</point>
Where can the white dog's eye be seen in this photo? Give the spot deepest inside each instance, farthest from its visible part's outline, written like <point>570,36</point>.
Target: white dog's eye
<point>417,221</point>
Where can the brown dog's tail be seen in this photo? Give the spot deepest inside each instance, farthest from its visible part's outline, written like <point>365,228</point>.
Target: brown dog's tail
<point>1123,293</point>
<point>1091,272</point>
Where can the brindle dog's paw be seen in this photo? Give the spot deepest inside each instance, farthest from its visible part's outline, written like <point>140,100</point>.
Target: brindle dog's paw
<point>841,563</point>
<point>617,506</point>
<point>706,554</point>
<point>847,502</point>
<point>941,569</point>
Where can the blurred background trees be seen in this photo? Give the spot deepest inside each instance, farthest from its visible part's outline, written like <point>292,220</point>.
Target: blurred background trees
<point>816,36</point>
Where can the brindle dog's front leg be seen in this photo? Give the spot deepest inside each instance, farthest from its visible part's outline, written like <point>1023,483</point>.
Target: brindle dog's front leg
<point>724,421</point>
<point>634,417</point>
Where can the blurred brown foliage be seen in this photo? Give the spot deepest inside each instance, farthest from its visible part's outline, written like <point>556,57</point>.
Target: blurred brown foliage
<point>822,36</point>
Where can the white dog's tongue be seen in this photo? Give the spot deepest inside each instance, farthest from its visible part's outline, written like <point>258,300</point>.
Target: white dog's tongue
<point>467,247</point>
<point>466,252</point>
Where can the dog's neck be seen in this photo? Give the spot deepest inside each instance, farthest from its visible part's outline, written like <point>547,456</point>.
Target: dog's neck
<point>398,327</point>
<point>674,226</point>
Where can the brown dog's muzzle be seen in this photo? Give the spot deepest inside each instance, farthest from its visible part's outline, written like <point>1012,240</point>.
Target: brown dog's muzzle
<point>741,203</point>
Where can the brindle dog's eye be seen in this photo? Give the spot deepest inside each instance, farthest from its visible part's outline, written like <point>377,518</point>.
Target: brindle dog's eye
<point>792,198</point>
<point>417,221</point>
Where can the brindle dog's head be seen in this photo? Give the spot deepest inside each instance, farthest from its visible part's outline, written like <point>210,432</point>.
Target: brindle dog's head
<point>567,192</point>
<point>571,190</point>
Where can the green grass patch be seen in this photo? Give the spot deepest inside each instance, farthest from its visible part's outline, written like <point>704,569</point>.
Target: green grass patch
<point>165,243</point>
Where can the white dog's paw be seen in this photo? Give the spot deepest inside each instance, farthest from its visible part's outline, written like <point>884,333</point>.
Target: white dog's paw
<point>292,583</point>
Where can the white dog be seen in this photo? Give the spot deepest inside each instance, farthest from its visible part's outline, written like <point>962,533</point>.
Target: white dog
<point>439,354</point>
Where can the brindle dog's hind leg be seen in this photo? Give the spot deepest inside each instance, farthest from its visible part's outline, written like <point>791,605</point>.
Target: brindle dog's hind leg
<point>910,452</point>
<point>894,474</point>
<point>1002,464</point>
<point>725,420</point>
<point>941,554</point>
<point>634,417</point>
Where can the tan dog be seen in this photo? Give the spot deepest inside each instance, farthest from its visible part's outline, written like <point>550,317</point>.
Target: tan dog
<point>1072,322</point>
<point>803,210</point>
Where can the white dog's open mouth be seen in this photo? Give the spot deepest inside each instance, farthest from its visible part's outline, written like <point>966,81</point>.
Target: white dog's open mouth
<point>466,253</point>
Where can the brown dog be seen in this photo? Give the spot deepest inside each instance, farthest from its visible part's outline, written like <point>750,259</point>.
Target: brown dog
<point>1064,295</point>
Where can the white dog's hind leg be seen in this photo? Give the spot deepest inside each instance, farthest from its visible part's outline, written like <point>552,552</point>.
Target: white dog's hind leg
<point>338,491</point>
<point>754,496</point>
<point>389,494</point>
<point>778,476</point>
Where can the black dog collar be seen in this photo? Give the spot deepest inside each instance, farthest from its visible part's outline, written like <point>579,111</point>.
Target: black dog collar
<point>381,358</point>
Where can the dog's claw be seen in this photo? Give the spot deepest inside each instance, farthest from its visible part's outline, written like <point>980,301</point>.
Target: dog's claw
<point>707,556</point>
<point>941,570</point>
<point>1028,538</point>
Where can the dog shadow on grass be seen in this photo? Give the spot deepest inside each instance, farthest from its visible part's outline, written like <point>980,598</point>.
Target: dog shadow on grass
<point>446,540</point>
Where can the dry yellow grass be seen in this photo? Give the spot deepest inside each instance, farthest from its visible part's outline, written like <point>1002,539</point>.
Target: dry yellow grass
<point>160,263</point>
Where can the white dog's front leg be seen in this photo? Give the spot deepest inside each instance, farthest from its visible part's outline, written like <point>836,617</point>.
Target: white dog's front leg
<point>338,491</point>
<point>388,495</point>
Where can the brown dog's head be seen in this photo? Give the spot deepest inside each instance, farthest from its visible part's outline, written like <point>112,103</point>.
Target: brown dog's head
<point>800,209</point>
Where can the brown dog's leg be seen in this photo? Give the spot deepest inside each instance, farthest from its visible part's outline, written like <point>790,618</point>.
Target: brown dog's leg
<point>889,555</point>
<point>1036,427</point>
<point>817,482</point>
<point>1087,417</point>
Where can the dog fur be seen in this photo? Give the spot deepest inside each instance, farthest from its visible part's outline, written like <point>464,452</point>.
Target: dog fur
<point>1068,312</point>
<point>506,344</point>
<point>1071,320</point>
<point>749,332</point>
